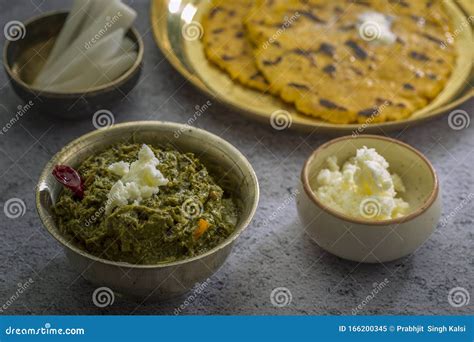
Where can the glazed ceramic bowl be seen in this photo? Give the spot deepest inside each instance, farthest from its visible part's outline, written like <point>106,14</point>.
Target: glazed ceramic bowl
<point>162,281</point>
<point>366,240</point>
<point>24,58</point>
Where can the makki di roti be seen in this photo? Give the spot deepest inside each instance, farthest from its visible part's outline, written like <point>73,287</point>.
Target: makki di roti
<point>189,215</point>
<point>226,45</point>
<point>316,55</point>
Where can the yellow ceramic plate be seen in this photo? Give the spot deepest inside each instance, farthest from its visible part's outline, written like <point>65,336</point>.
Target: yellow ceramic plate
<point>468,7</point>
<point>177,30</point>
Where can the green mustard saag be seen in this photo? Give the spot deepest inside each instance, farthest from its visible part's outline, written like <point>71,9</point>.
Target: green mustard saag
<point>188,216</point>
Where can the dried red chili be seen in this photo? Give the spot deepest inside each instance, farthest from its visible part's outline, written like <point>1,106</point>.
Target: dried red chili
<point>70,178</point>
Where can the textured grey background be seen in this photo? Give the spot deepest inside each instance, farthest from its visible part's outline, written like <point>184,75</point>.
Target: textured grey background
<point>266,256</point>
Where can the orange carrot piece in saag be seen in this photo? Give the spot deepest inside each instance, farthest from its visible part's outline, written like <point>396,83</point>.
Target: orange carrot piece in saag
<point>203,225</point>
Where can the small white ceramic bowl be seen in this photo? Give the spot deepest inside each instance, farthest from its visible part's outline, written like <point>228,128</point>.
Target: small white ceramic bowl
<point>366,240</point>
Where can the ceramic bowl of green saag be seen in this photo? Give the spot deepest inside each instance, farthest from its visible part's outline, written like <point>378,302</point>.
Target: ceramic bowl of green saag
<point>159,208</point>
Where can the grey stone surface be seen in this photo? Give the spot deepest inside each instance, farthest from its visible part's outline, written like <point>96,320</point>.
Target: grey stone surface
<point>266,256</point>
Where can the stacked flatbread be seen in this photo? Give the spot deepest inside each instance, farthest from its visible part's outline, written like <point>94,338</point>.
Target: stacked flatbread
<point>316,55</point>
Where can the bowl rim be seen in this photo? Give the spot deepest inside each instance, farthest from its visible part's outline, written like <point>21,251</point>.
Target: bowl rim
<point>421,209</point>
<point>135,125</point>
<point>113,84</point>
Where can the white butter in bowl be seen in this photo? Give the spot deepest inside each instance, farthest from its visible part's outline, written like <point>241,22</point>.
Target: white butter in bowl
<point>363,187</point>
<point>140,180</point>
<point>368,198</point>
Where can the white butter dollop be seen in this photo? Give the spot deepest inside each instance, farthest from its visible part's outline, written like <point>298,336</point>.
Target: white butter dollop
<point>376,27</point>
<point>363,188</point>
<point>140,180</point>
